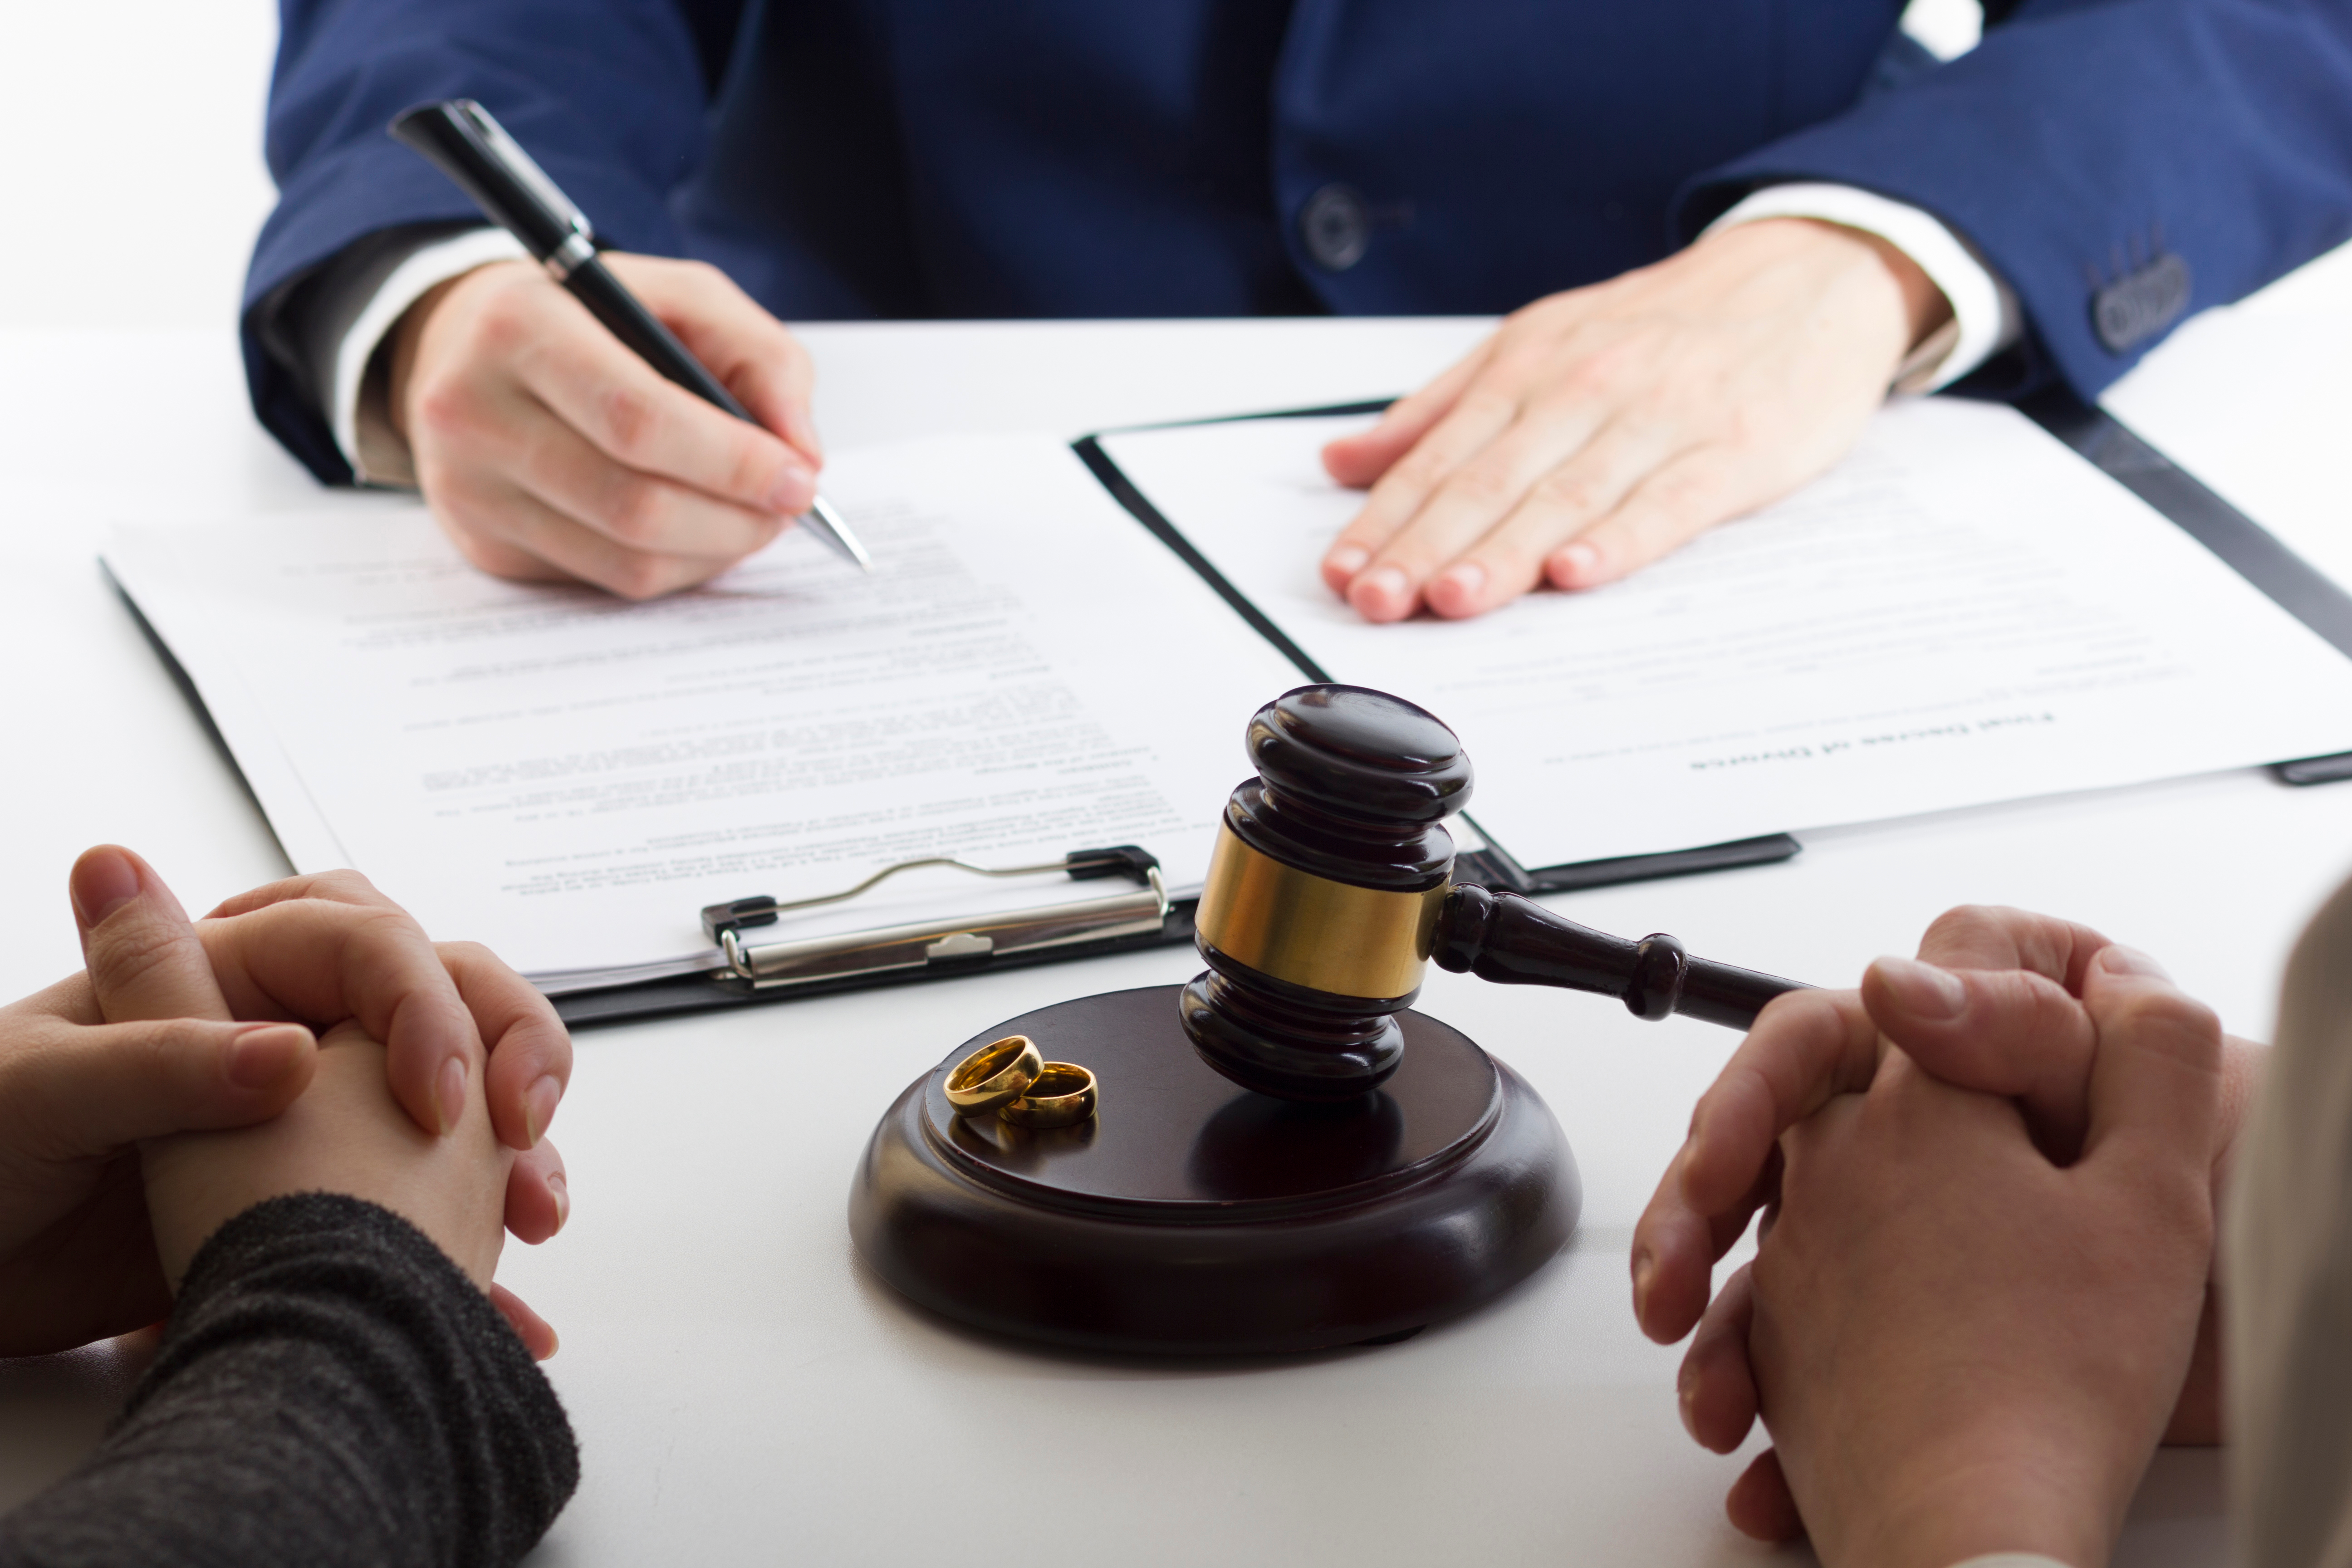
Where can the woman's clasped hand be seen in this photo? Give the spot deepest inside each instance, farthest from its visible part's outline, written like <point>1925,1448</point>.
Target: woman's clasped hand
<point>304,1037</point>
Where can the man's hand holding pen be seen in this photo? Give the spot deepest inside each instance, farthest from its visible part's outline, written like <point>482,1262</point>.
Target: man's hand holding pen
<point>548,450</point>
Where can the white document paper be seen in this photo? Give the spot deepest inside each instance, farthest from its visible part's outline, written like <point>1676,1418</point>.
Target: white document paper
<point>570,778</point>
<point>1963,612</point>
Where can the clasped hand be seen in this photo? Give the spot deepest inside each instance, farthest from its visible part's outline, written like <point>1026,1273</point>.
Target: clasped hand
<point>1983,1290</point>
<point>176,1028</point>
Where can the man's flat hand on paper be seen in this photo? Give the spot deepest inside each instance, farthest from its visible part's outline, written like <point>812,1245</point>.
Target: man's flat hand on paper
<point>108,1057</point>
<point>1601,429</point>
<point>548,450</point>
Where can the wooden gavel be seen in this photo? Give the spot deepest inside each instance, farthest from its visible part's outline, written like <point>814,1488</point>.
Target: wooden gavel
<point>1332,885</point>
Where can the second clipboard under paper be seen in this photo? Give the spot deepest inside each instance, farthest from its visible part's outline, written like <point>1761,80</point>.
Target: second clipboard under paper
<point>1963,612</point>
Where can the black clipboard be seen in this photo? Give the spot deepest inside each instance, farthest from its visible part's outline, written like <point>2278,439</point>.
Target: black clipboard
<point>2239,542</point>
<point>2091,433</point>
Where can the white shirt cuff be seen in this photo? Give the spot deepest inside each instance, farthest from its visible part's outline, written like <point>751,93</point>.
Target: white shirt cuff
<point>1984,312</point>
<point>433,264</point>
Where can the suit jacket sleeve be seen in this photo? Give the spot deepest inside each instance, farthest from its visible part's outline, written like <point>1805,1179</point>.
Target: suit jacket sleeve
<point>2121,164</point>
<point>608,95</point>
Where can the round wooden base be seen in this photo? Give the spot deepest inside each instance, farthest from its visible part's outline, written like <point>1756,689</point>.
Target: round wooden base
<point>1191,1216</point>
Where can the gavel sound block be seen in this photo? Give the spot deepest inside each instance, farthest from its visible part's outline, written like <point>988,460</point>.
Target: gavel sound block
<point>1286,1156</point>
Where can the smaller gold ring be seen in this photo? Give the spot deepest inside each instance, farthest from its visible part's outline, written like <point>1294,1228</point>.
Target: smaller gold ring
<point>1062,1096</point>
<point>998,1072</point>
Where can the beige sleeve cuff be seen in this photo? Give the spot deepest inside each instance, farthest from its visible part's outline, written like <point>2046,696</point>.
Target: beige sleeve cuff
<point>356,406</point>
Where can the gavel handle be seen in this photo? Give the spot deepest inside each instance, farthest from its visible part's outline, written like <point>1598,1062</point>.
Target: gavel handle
<point>1513,941</point>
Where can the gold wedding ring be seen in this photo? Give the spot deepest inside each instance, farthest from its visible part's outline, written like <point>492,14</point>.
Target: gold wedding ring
<point>1062,1096</point>
<point>995,1075</point>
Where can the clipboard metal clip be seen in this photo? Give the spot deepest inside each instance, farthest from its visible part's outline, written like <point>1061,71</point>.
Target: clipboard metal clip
<point>933,943</point>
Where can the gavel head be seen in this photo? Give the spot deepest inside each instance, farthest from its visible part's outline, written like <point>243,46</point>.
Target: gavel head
<point>1324,891</point>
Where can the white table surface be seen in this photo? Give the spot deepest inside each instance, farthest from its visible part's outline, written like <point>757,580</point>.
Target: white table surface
<point>743,1391</point>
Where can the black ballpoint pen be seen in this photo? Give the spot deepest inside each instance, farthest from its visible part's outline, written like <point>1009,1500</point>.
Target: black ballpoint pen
<point>464,142</point>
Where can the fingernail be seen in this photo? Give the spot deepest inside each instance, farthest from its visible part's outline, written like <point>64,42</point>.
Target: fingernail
<point>2121,960</point>
<point>795,488</point>
<point>449,1093</point>
<point>1464,581</point>
<point>539,1103</point>
<point>1922,989</point>
<point>1378,593</point>
<point>103,881</point>
<point>1644,1265</point>
<point>1575,564</point>
<point>1687,1399</point>
<point>555,1344</point>
<point>263,1054</point>
<point>1347,560</point>
<point>561,1194</point>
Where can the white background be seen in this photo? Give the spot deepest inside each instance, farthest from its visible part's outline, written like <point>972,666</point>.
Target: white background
<point>742,1390</point>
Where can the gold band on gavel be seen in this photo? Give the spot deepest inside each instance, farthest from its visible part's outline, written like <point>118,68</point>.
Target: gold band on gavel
<point>1310,930</point>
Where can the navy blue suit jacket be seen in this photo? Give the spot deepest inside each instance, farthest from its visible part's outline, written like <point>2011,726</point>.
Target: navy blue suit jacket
<point>964,158</point>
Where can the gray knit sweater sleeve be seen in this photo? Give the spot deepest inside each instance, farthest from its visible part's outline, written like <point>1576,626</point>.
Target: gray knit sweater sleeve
<point>331,1390</point>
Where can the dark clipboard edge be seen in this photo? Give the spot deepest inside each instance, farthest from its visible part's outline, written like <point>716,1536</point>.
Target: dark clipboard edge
<point>1122,490</point>
<point>1495,868</point>
<point>2306,771</point>
<point>196,701</point>
<point>2243,544</point>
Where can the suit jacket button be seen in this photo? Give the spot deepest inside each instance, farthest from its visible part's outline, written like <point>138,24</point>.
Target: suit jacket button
<point>1336,227</point>
<point>2139,305</point>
